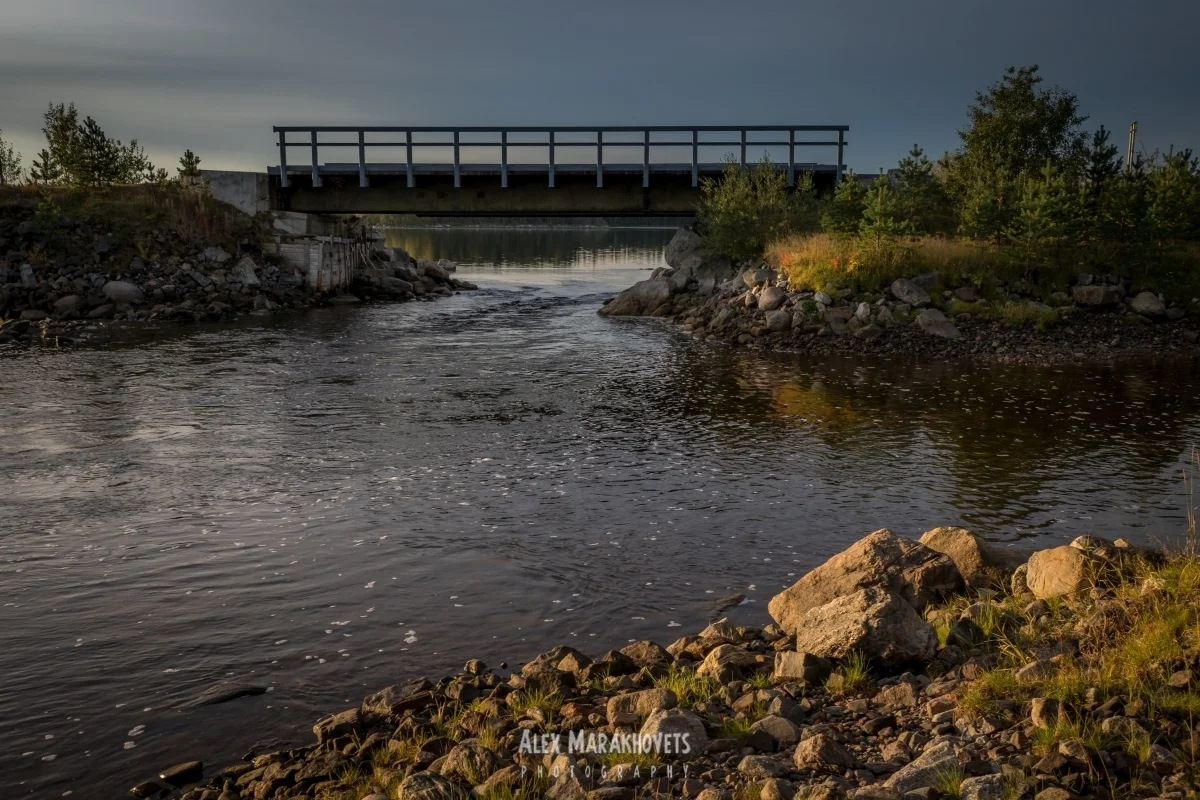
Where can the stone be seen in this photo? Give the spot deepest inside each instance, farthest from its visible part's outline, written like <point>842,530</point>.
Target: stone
<point>869,333</point>
<point>983,787</point>
<point>863,312</point>
<point>975,558</point>
<point>123,292</point>
<point>822,299</point>
<point>344,299</point>
<point>395,285</point>
<point>638,300</point>
<point>873,621</point>
<point>337,725</point>
<point>182,773</point>
<point>759,767</point>
<point>216,255</point>
<point>684,244</point>
<point>906,291</point>
<point>470,762</point>
<point>783,732</point>
<point>934,322</point>
<point>431,269</point>
<point>1148,305</point>
<point>632,707</point>
<point>100,312</point>
<point>778,321</point>
<point>693,739</point>
<point>645,654</point>
<point>447,265</point>
<point>802,667</point>
<point>776,789</point>
<point>1053,793</point>
<point>881,559</point>
<point>822,753</point>
<point>1044,712</point>
<point>68,304</point>
<point>245,272</point>
<point>28,277</point>
<point>427,785</point>
<point>146,789</point>
<point>1056,572</point>
<point>1019,585</point>
<point>726,662</point>
<point>223,692</point>
<point>771,298</point>
<point>966,294</point>
<point>1095,296</point>
<point>34,315</point>
<point>897,696</point>
<point>925,770</point>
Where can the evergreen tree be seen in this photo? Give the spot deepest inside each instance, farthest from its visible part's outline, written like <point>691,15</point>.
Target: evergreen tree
<point>843,213</point>
<point>189,167</point>
<point>922,200</point>
<point>883,211</point>
<point>1173,209</point>
<point>10,162</point>
<point>985,206</point>
<point>1102,162</point>
<point>1048,217</point>
<point>45,169</point>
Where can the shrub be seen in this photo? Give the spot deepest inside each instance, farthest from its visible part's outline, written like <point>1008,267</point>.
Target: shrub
<point>82,154</point>
<point>883,214</point>
<point>844,212</point>
<point>10,162</point>
<point>748,207</point>
<point>922,199</point>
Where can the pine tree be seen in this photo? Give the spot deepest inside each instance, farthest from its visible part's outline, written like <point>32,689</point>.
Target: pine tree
<point>922,200</point>
<point>843,213</point>
<point>883,212</point>
<point>1048,217</point>
<point>189,167</point>
<point>10,162</point>
<point>1102,162</point>
<point>44,168</point>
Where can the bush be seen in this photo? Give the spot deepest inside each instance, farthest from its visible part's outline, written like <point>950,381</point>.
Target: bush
<point>844,212</point>
<point>883,213</point>
<point>748,207</point>
<point>10,162</point>
<point>82,154</point>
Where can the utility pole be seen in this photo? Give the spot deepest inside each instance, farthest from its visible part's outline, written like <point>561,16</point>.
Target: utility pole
<point>1132,145</point>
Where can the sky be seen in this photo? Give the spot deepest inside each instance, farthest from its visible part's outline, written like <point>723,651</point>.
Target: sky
<point>216,75</point>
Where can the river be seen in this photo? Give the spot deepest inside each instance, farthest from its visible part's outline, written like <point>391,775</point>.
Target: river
<point>328,502</point>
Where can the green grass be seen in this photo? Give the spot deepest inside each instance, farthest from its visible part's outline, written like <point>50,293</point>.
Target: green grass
<point>949,783</point>
<point>737,728</point>
<point>689,688</point>
<point>852,676</point>
<point>760,680</point>
<point>523,701</point>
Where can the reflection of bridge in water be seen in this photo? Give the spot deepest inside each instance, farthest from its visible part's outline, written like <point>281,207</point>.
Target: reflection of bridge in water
<point>565,171</point>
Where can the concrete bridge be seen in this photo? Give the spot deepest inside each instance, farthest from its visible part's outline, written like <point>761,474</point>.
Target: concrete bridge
<point>515,171</point>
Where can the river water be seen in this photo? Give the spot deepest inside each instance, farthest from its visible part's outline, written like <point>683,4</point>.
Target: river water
<point>329,502</point>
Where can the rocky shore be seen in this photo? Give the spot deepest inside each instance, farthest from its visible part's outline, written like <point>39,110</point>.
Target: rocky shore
<point>897,670</point>
<point>752,305</point>
<point>66,275</point>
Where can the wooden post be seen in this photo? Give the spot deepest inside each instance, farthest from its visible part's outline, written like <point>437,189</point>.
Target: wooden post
<point>503,159</point>
<point>743,148</point>
<point>316,174</point>
<point>457,169</point>
<point>841,144</point>
<point>409,164</point>
<point>283,176</point>
<point>362,160</point>
<point>695,158</point>
<point>791,158</point>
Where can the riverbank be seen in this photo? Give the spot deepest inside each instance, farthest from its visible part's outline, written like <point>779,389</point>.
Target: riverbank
<point>927,315</point>
<point>898,669</point>
<point>170,255</point>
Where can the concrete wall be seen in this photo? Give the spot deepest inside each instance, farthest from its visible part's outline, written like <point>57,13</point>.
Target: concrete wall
<point>248,192</point>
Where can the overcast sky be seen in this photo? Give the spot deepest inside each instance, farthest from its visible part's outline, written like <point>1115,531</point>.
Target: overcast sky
<point>215,75</point>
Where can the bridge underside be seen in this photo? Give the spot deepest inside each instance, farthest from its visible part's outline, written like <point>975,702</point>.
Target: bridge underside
<point>626,190</point>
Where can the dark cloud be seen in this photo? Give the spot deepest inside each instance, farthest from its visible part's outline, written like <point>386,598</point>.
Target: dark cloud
<point>215,76</point>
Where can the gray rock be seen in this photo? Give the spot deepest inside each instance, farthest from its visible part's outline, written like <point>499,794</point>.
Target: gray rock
<point>726,662</point>
<point>34,315</point>
<point>873,621</point>
<point>101,312</point>
<point>925,770</point>
<point>224,692</point>
<point>771,298</point>
<point>100,244</point>
<point>183,773</point>
<point>782,731</point>
<point>447,265</point>
<point>431,269</point>
<point>123,292</point>
<point>428,786</point>
<point>821,752</point>
<point>983,787</point>
<point>966,294</point>
<point>395,285</point>
<point>778,321</point>
<point>632,707</point>
<point>759,767</point>
<point>683,244</point>
<point>638,300</point>
<point>68,304</point>
<point>692,738</point>
<point>28,278</point>
<point>1148,305</point>
<point>907,291</point>
<point>1095,296</point>
<point>245,272</point>
<point>802,667</point>
<point>335,725</point>
<point>470,762</point>
<point>822,299</point>
<point>863,312</point>
<point>934,322</point>
<point>344,300</point>
<point>216,255</point>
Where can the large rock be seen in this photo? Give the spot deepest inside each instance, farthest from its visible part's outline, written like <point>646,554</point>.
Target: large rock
<point>245,272</point>
<point>821,752</point>
<point>926,770</point>
<point>906,291</point>
<point>934,322</point>
<point>631,708</point>
<point>881,559</point>
<point>336,725</point>
<point>726,663</point>
<point>778,321</point>
<point>639,300</point>
<point>978,561</point>
<point>28,277</point>
<point>692,738</point>
<point>872,621</point>
<point>216,255</point>
<point>683,244</point>
<point>1057,571</point>
<point>984,787</point>
<point>1096,295</point>
<point>432,269</point>
<point>646,654</point>
<point>65,305</point>
<point>1148,305</point>
<point>771,298</point>
<point>784,732</point>
<point>470,762</point>
<point>427,786</point>
<point>801,667</point>
<point>123,292</point>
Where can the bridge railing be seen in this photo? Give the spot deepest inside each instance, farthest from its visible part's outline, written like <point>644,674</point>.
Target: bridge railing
<point>411,140</point>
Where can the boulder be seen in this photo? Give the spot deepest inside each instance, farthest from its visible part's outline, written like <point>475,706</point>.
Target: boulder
<point>34,315</point>
<point>123,292</point>
<point>1057,571</point>
<point>976,559</point>
<point>881,559</point>
<point>336,725</point>
<point>771,298</point>
<point>28,277</point>
<point>182,774</point>
<point>1148,305</point>
<point>216,255</point>
<point>934,322</point>
<point>396,286</point>
<point>645,654</point>
<point>447,265</point>
<point>1095,296</point>
<point>427,786</point>
<point>882,625</point>
<point>470,762</point>
<point>683,244</point>
<point>692,738</point>
<point>65,305</point>
<point>906,291</point>
<point>778,321</point>
<point>726,662</point>
<point>631,708</point>
<point>983,787</point>
<point>926,770</point>
<point>638,300</point>
<point>431,269</point>
<point>245,272</point>
<point>822,753</point>
<point>784,732</point>
<point>759,767</point>
<point>801,667</point>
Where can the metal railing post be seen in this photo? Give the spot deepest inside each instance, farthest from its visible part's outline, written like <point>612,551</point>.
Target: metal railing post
<point>646,159</point>
<point>503,159</point>
<point>283,175</point>
<point>743,160</point>
<point>841,144</point>
<point>695,158</point>
<point>599,159</point>
<point>408,161</point>
<point>551,159</point>
<point>316,174</point>
<point>791,158</point>
<point>362,160</point>
<point>457,168</point>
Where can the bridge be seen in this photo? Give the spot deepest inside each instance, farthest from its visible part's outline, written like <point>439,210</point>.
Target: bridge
<point>516,171</point>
